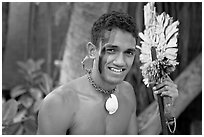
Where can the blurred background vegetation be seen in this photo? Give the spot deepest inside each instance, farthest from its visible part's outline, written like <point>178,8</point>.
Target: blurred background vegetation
<point>44,43</point>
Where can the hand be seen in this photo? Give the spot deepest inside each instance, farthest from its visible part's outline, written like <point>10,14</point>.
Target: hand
<point>166,88</point>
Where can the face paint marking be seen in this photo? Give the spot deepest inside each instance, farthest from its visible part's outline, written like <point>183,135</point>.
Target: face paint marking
<point>102,53</point>
<point>108,37</point>
<point>115,55</point>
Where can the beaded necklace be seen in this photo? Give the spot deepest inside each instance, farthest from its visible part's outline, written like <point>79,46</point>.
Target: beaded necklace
<point>111,104</point>
<point>99,89</point>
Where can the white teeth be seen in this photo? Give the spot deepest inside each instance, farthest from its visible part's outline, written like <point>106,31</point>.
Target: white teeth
<point>116,70</point>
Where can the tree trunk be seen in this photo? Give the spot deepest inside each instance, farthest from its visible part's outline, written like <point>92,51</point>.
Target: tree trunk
<point>189,85</point>
<point>5,12</point>
<point>118,6</point>
<point>82,19</point>
<point>16,43</point>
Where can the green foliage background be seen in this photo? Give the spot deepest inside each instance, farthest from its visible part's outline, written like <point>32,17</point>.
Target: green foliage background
<point>19,114</point>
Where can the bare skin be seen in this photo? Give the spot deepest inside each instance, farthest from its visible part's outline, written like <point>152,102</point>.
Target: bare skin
<point>83,112</point>
<point>79,108</point>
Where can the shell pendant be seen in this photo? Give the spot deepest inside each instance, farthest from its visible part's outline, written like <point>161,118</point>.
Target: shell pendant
<point>111,104</point>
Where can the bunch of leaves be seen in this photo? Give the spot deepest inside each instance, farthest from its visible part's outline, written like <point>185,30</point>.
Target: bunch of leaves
<point>160,36</point>
<point>156,70</point>
<point>19,114</point>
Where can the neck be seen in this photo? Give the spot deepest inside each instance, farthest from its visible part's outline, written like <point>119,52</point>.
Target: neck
<point>96,76</point>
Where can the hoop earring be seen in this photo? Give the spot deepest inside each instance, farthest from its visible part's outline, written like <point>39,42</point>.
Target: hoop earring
<point>86,58</point>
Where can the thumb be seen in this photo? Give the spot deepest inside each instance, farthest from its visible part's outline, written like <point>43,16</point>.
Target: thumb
<point>155,97</point>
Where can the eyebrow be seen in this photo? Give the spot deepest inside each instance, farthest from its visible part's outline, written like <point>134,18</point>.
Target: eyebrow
<point>110,45</point>
<point>115,46</point>
<point>132,50</point>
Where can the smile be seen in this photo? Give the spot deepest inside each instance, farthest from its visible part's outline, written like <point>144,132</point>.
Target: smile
<point>116,70</point>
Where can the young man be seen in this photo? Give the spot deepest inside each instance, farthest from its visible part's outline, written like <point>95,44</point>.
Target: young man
<point>100,102</point>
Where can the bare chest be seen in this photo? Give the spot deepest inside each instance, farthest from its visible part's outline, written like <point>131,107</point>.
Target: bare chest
<point>92,118</point>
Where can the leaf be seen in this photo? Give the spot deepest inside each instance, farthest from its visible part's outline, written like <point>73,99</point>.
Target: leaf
<point>17,91</point>
<point>173,41</point>
<point>27,68</point>
<point>171,33</point>
<point>30,127</point>
<point>9,110</point>
<point>170,56</point>
<point>31,66</point>
<point>144,38</point>
<point>149,14</point>
<point>166,22</point>
<point>39,63</point>
<point>171,50</point>
<point>171,29</point>
<point>160,18</point>
<point>20,130</point>
<point>11,129</point>
<point>171,26</point>
<point>20,116</point>
<point>36,105</point>
<point>145,49</point>
<point>36,75</point>
<point>145,58</point>
<point>36,93</point>
<point>22,65</point>
<point>48,82</point>
<point>26,101</point>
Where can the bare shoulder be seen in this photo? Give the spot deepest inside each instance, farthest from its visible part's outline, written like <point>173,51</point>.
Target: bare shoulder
<point>61,96</point>
<point>57,111</point>
<point>65,95</point>
<point>128,91</point>
<point>127,87</point>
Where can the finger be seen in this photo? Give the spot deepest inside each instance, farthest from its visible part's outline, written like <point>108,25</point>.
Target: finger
<point>171,93</point>
<point>170,82</point>
<point>167,77</point>
<point>172,90</point>
<point>159,91</point>
<point>163,84</point>
<point>168,94</point>
<point>155,97</point>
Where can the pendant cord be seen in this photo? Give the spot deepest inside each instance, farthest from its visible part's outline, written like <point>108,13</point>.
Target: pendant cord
<point>111,105</point>
<point>98,88</point>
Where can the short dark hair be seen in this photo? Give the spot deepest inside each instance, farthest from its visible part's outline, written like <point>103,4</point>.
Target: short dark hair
<point>112,20</point>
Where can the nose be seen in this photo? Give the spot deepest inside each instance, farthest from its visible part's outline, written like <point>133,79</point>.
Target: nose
<point>119,60</point>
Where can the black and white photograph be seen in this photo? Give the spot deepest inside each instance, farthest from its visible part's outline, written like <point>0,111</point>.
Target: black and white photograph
<point>101,68</point>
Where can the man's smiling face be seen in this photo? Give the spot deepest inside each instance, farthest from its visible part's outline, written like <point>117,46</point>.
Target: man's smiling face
<point>117,52</point>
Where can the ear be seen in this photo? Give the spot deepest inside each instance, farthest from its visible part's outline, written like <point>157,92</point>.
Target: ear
<point>91,48</point>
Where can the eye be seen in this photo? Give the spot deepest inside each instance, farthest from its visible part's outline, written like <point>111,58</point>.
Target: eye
<point>129,53</point>
<point>110,50</point>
